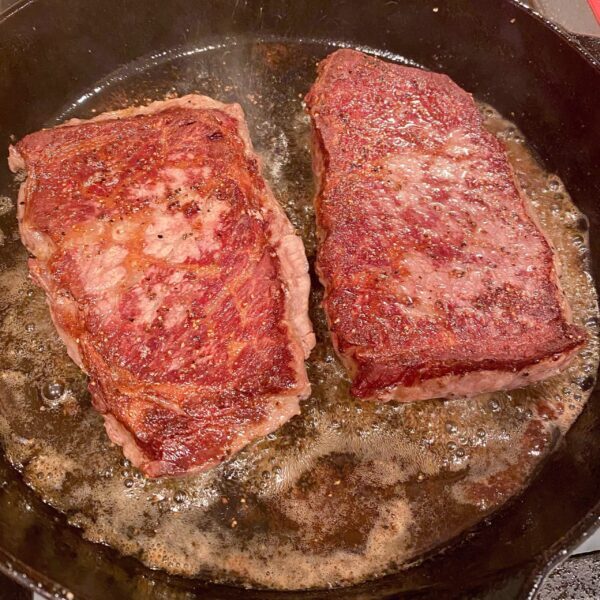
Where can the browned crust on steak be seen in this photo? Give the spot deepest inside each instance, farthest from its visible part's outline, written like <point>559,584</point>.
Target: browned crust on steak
<point>388,143</point>
<point>273,409</point>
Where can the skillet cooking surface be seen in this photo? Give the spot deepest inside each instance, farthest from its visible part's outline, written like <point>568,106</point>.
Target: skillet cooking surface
<point>440,452</point>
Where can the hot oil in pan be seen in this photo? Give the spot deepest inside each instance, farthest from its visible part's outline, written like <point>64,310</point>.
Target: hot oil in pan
<point>344,492</point>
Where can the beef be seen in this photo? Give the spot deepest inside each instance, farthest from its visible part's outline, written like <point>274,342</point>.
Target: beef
<point>173,276</point>
<point>438,280</point>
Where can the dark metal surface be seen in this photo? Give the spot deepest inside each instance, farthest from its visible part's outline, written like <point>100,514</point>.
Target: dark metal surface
<point>492,48</point>
<point>11,590</point>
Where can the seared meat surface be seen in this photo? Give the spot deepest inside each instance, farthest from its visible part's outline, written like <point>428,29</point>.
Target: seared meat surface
<point>438,280</point>
<point>173,276</point>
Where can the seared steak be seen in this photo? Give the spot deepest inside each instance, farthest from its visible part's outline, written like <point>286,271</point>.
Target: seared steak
<point>438,279</point>
<point>172,275</point>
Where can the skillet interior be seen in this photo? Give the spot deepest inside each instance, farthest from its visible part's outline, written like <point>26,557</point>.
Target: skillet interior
<point>552,103</point>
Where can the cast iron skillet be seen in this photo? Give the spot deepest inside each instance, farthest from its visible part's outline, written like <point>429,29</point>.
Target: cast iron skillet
<point>52,50</point>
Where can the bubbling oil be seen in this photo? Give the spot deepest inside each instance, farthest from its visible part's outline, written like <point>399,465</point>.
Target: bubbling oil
<point>346,491</point>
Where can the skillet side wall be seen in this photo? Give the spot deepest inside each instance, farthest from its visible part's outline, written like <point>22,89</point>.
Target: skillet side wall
<point>53,50</point>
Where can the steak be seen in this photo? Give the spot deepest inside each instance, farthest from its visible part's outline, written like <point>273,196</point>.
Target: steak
<point>173,276</point>
<point>438,280</point>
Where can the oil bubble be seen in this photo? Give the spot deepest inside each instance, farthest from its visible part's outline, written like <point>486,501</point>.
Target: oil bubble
<point>180,496</point>
<point>554,183</point>
<point>53,392</point>
<point>586,383</point>
<point>582,223</point>
<point>451,427</point>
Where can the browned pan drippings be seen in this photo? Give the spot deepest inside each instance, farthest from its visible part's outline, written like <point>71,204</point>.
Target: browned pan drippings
<point>348,490</point>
